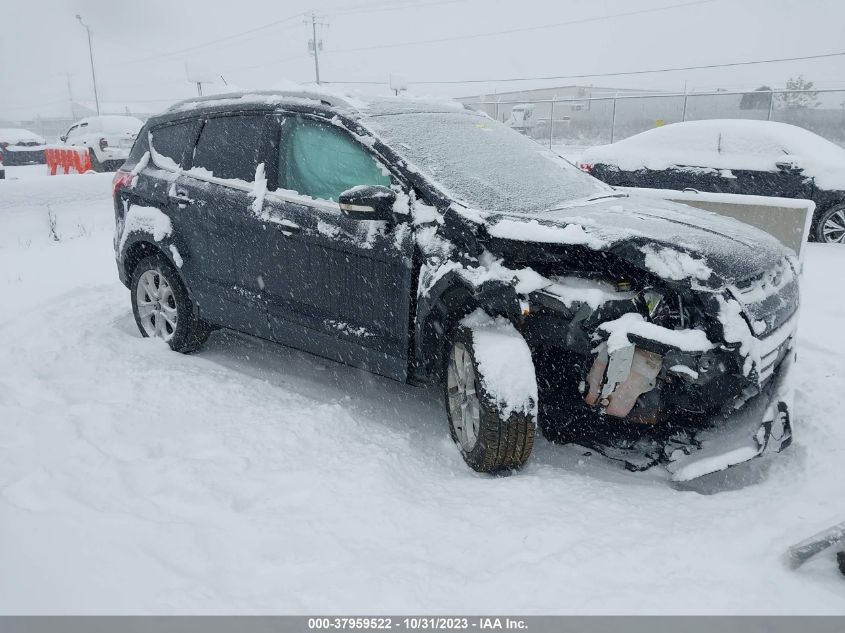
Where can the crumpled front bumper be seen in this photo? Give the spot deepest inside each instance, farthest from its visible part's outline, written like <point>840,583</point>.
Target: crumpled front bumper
<point>762,426</point>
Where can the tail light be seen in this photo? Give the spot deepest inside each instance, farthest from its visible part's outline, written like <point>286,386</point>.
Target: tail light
<point>587,167</point>
<point>103,143</point>
<point>121,179</point>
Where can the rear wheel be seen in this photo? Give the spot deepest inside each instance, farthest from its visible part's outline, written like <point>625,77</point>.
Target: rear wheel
<point>831,225</point>
<point>489,438</point>
<point>162,307</point>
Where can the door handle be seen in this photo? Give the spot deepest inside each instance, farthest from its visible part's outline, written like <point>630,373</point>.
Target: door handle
<point>181,196</point>
<point>288,228</point>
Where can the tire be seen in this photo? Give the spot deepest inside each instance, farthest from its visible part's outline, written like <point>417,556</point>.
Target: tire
<point>160,301</point>
<point>501,441</point>
<point>830,228</point>
<point>96,165</point>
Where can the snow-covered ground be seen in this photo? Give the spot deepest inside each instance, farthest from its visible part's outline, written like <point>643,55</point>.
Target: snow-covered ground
<point>253,478</point>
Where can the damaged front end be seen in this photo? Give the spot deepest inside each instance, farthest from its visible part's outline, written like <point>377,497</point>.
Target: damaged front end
<point>655,352</point>
<point>680,378</point>
<point>735,418</point>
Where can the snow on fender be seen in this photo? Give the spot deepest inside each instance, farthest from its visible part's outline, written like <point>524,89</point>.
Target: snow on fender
<point>146,220</point>
<point>505,363</point>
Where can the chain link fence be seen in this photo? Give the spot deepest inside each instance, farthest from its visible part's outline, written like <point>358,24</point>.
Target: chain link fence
<point>587,121</point>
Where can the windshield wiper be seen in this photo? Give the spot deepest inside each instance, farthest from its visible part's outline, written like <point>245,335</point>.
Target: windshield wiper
<point>610,195</point>
<point>569,205</point>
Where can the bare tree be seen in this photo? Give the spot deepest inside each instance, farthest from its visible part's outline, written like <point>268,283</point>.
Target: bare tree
<point>800,94</point>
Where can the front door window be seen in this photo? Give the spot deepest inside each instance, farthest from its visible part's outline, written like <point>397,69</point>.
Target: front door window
<point>320,161</point>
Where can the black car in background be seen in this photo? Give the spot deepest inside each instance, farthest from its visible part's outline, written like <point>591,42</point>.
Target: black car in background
<point>21,147</point>
<point>427,243</point>
<point>762,158</point>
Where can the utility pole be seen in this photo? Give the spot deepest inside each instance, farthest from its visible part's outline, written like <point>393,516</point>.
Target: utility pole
<point>70,98</point>
<point>91,57</point>
<point>315,46</point>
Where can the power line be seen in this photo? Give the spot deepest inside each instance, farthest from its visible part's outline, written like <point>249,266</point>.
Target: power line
<point>370,8</point>
<point>472,36</point>
<point>208,43</point>
<point>611,74</point>
<point>385,6</point>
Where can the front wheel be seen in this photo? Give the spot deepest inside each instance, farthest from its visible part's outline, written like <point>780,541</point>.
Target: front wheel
<point>831,226</point>
<point>162,307</point>
<point>492,435</point>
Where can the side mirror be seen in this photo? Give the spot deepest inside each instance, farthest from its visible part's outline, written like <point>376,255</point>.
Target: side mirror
<point>368,202</point>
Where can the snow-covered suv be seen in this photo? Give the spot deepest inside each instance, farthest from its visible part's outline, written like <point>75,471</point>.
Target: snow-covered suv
<point>108,139</point>
<point>430,244</point>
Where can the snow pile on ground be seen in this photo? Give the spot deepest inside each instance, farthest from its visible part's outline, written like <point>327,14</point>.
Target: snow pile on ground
<point>252,478</point>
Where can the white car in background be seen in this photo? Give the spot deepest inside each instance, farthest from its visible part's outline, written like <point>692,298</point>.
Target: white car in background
<point>108,139</point>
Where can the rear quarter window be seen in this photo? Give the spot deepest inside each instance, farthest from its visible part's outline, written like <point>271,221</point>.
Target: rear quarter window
<point>175,140</point>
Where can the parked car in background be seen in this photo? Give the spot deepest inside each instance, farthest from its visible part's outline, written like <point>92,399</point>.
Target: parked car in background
<point>21,147</point>
<point>763,158</point>
<point>108,139</point>
<point>427,243</point>
<point>2,168</point>
<point>522,118</point>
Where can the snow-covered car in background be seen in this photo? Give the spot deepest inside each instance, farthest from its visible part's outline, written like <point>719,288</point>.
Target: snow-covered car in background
<point>108,139</point>
<point>430,244</point>
<point>522,118</point>
<point>763,158</point>
<point>21,147</point>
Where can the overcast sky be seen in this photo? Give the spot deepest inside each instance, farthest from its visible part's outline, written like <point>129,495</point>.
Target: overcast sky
<point>140,56</point>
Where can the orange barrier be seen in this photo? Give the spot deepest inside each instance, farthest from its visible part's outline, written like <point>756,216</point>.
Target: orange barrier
<point>76,158</point>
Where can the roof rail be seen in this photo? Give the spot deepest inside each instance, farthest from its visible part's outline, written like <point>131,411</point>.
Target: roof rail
<point>313,95</point>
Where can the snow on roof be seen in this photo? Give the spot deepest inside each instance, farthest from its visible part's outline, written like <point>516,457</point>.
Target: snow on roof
<point>364,105</point>
<point>16,135</point>
<point>727,144</point>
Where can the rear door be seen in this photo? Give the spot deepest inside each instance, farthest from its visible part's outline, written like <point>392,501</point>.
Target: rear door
<point>335,286</point>
<point>760,166</point>
<point>171,146</point>
<point>230,154</point>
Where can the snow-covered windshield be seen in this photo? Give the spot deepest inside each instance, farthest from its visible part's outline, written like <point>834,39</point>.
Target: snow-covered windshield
<point>482,163</point>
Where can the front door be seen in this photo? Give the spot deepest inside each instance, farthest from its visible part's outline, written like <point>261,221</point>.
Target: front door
<point>335,286</point>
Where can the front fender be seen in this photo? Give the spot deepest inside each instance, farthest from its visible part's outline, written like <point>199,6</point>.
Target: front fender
<point>446,301</point>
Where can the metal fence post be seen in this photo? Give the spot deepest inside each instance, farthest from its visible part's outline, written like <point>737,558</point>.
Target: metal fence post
<point>497,109</point>
<point>613,121</point>
<point>771,104</point>
<point>551,123</point>
<point>684,113</point>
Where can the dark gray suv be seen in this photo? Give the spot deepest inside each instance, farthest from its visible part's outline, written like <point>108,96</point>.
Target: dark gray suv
<point>430,244</point>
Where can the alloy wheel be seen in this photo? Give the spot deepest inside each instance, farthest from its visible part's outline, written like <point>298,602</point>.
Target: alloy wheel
<point>464,405</point>
<point>156,302</point>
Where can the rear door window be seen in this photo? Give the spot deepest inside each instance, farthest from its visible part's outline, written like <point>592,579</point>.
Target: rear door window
<point>321,161</point>
<point>747,149</point>
<point>232,147</point>
<point>175,141</point>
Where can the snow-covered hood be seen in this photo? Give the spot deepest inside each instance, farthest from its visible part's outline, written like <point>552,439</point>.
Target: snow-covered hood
<point>673,241</point>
